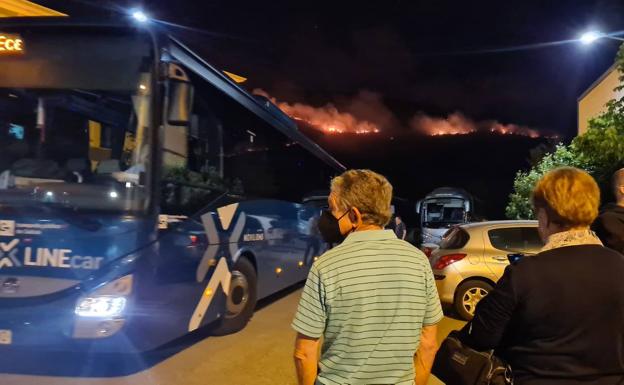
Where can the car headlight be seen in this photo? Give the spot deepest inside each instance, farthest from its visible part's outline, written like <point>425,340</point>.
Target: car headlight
<point>102,306</point>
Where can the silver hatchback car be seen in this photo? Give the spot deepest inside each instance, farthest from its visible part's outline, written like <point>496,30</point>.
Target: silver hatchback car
<point>472,258</point>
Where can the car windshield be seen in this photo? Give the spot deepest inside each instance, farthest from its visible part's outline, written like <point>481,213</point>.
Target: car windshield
<point>455,238</point>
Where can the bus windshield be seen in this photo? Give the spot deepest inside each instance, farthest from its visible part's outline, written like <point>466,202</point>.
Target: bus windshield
<point>75,131</point>
<point>443,213</point>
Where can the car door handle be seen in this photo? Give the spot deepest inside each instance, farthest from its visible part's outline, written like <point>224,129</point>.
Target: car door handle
<point>500,258</point>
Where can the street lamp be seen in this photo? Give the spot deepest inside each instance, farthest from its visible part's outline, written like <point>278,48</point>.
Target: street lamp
<point>139,16</point>
<point>591,36</point>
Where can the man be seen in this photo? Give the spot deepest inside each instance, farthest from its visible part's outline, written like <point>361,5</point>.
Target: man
<point>372,298</point>
<point>399,229</point>
<point>609,226</point>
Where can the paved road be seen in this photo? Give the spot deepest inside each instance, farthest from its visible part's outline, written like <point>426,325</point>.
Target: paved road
<point>261,354</point>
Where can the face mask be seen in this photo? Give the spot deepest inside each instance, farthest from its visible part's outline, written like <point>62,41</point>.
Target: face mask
<point>329,227</point>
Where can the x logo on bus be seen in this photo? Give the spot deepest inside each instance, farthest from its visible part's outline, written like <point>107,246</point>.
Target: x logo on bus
<point>221,275</point>
<point>8,251</point>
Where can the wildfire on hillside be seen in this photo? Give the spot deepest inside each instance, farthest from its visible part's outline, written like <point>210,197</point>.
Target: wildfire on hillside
<point>458,124</point>
<point>329,120</point>
<point>326,118</point>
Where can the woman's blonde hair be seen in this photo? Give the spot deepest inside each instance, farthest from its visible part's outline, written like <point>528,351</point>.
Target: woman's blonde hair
<point>570,196</point>
<point>369,192</point>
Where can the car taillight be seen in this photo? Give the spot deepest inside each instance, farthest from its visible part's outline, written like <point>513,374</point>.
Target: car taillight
<point>448,259</point>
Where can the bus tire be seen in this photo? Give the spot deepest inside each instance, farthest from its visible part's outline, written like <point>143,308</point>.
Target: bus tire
<point>241,300</point>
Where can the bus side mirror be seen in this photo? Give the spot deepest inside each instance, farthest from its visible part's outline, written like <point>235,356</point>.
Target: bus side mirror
<point>180,98</point>
<point>418,207</point>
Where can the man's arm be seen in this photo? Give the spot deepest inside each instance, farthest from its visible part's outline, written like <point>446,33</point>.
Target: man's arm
<point>309,323</point>
<point>425,355</point>
<point>306,359</point>
<point>423,359</point>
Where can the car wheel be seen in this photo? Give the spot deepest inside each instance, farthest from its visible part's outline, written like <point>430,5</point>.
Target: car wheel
<point>241,300</point>
<point>468,296</point>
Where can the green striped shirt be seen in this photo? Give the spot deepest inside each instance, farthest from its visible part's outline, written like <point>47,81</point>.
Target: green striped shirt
<point>369,298</point>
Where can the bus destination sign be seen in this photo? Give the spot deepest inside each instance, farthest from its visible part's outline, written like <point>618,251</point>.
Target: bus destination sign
<point>11,44</point>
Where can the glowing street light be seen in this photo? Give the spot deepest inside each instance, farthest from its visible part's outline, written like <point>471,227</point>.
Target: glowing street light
<point>591,36</point>
<point>140,16</point>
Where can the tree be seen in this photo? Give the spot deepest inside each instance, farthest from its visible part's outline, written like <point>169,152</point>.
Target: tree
<point>603,143</point>
<point>519,206</point>
<point>599,151</point>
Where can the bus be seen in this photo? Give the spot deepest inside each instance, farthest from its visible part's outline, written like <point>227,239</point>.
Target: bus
<point>143,194</point>
<point>441,209</point>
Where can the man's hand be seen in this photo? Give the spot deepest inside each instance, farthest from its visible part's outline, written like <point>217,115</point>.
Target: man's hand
<point>306,359</point>
<point>423,360</point>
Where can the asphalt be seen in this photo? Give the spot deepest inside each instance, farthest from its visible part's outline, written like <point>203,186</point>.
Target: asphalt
<point>261,354</point>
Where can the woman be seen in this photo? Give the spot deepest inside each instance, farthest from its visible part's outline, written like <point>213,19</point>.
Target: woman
<point>558,317</point>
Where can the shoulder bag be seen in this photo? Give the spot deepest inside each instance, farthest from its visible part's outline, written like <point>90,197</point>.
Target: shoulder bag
<point>457,364</point>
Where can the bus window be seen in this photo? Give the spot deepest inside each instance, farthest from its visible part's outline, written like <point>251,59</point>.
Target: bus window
<point>228,150</point>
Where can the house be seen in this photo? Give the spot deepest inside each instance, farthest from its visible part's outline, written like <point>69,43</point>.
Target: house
<point>594,100</point>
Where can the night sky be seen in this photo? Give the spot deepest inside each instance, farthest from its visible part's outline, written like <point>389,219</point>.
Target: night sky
<point>408,52</point>
<point>409,57</point>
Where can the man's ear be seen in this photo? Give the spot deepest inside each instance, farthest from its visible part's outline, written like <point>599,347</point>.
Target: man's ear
<point>355,216</point>
<point>331,201</point>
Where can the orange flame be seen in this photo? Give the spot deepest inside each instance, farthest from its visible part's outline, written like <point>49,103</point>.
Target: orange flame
<point>326,119</point>
<point>455,124</point>
<point>458,124</point>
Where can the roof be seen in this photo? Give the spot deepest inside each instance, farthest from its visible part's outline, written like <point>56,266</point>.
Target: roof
<point>102,22</point>
<point>448,191</point>
<point>24,8</point>
<point>597,81</point>
<point>499,223</point>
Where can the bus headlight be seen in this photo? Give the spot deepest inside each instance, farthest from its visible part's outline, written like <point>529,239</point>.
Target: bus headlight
<point>100,314</point>
<point>103,306</point>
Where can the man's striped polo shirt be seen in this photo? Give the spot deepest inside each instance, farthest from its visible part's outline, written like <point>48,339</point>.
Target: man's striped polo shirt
<point>369,298</point>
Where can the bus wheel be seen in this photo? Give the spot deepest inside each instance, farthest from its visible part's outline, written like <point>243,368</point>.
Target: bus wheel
<point>241,300</point>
